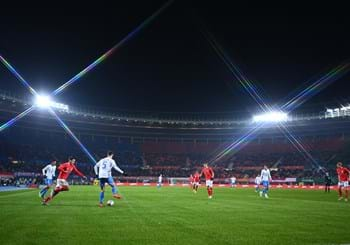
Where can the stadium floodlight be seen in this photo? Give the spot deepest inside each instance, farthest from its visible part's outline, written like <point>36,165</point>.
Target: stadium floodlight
<point>44,101</point>
<point>271,117</point>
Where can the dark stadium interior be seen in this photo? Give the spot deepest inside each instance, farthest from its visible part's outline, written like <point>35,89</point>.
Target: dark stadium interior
<point>149,148</point>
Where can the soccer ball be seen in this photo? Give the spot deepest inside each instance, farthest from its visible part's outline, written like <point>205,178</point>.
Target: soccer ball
<point>110,202</point>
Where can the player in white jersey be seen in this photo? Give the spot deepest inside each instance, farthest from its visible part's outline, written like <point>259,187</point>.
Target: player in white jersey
<point>49,173</point>
<point>160,180</point>
<point>265,178</point>
<point>103,170</point>
<point>233,181</point>
<point>257,183</point>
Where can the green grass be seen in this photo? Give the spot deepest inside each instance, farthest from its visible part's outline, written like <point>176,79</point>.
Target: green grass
<point>175,216</point>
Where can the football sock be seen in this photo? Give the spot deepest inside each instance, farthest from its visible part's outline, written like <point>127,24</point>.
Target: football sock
<point>102,196</point>
<point>114,190</point>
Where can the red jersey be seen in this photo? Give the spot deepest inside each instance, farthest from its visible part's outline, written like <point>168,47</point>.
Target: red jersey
<point>196,178</point>
<point>343,173</point>
<point>191,179</point>
<point>65,170</point>
<point>208,173</point>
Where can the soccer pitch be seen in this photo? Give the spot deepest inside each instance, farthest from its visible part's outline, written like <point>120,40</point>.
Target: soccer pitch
<point>175,215</point>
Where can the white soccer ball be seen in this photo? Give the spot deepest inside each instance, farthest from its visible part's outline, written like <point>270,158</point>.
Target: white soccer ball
<point>110,202</point>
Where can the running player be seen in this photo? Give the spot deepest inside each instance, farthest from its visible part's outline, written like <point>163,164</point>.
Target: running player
<point>160,181</point>
<point>265,178</point>
<point>257,183</point>
<point>49,173</point>
<point>103,170</point>
<point>209,177</point>
<point>233,181</point>
<point>343,181</point>
<point>196,179</point>
<point>62,184</point>
<point>328,182</point>
<point>190,179</point>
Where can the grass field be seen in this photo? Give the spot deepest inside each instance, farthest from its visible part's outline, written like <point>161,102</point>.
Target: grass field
<point>174,215</point>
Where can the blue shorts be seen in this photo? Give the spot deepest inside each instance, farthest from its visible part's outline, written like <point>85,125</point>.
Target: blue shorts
<point>103,182</point>
<point>108,180</point>
<point>265,183</point>
<point>111,181</point>
<point>48,181</point>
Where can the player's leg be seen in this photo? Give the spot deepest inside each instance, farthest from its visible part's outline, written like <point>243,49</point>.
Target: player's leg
<point>196,186</point>
<point>46,188</point>
<point>102,192</point>
<point>266,188</point>
<point>211,191</point>
<point>210,188</point>
<point>114,188</point>
<point>43,191</point>
<point>62,185</point>
<point>340,192</point>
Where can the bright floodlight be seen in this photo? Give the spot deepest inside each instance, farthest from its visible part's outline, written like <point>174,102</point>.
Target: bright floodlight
<point>273,117</point>
<point>44,101</point>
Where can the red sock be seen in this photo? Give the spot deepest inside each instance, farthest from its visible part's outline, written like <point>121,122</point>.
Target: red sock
<point>340,192</point>
<point>211,191</point>
<point>208,189</point>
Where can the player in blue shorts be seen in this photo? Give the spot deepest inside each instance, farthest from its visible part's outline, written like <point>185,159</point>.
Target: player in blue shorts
<point>104,171</point>
<point>49,173</point>
<point>265,178</point>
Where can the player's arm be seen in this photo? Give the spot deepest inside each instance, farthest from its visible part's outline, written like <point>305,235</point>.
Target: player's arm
<point>212,173</point>
<point>44,170</point>
<point>77,172</point>
<point>117,168</point>
<point>347,170</point>
<point>270,178</point>
<point>96,167</point>
<point>54,172</point>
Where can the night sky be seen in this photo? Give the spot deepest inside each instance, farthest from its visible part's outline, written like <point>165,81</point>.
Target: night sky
<point>169,65</point>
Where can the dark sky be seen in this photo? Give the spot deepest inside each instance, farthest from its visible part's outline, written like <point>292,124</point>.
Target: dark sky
<point>169,65</point>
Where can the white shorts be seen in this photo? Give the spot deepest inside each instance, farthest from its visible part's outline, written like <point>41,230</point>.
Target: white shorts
<point>343,183</point>
<point>62,182</point>
<point>209,183</point>
<point>196,183</point>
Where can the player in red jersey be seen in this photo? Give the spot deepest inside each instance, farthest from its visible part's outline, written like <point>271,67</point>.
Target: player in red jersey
<point>196,179</point>
<point>62,183</point>
<point>343,181</point>
<point>209,177</point>
<point>190,179</point>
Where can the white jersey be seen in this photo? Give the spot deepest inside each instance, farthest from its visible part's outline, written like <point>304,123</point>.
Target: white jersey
<point>160,178</point>
<point>265,175</point>
<point>257,180</point>
<point>233,180</point>
<point>49,171</point>
<point>104,167</point>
